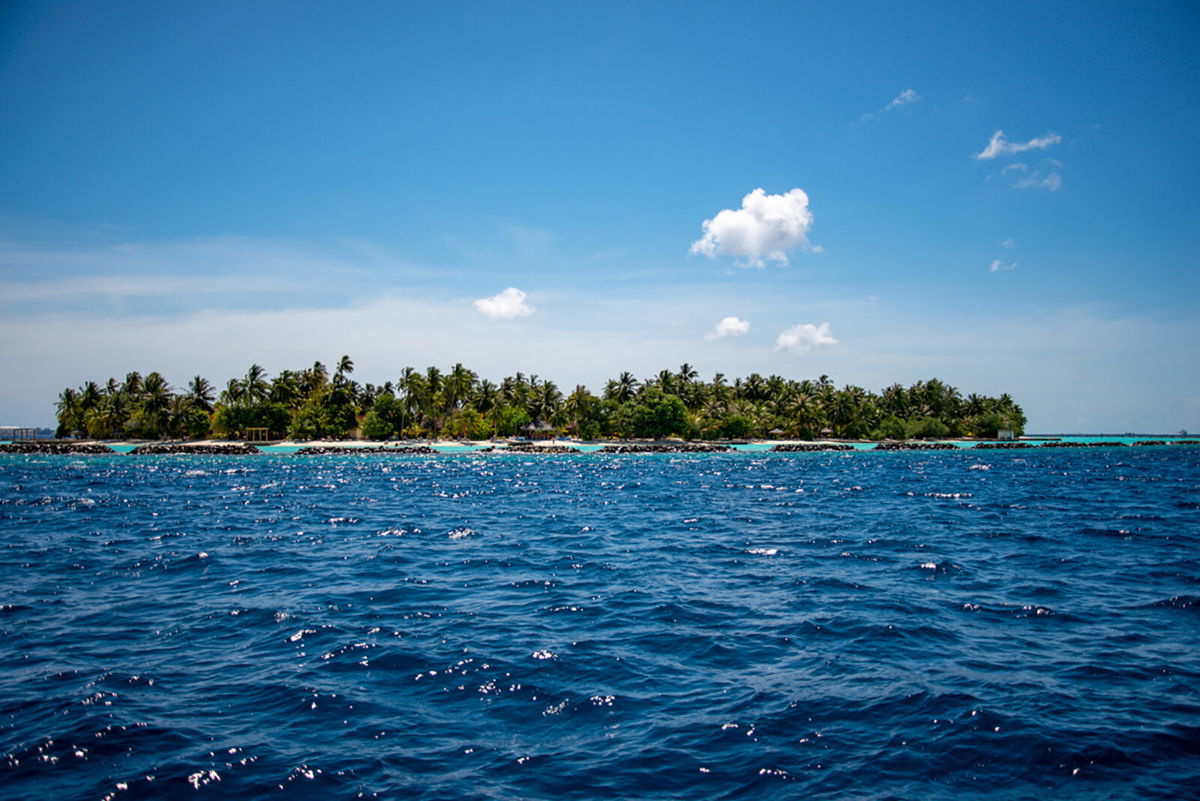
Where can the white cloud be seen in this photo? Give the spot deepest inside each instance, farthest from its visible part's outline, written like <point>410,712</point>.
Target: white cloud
<point>1051,181</point>
<point>1033,179</point>
<point>728,327</point>
<point>803,338</point>
<point>1007,243</point>
<point>508,305</point>
<point>999,146</point>
<point>903,99</point>
<point>765,227</point>
<point>998,266</point>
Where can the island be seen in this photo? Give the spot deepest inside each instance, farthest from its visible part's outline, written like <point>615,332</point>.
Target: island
<point>316,403</point>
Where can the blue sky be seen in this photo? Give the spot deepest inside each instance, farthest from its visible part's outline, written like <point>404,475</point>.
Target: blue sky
<point>193,187</point>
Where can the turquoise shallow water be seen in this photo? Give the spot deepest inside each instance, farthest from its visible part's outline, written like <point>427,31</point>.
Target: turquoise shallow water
<point>749,448</point>
<point>927,625</point>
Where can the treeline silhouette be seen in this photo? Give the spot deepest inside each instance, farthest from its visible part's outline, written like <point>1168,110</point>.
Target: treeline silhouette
<point>315,403</point>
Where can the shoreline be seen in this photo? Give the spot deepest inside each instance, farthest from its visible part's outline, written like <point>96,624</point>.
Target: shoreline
<point>566,446</point>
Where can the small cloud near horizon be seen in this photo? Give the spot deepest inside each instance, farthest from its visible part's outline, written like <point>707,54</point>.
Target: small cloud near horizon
<point>765,228</point>
<point>999,146</point>
<point>998,266</point>
<point>508,305</point>
<point>805,337</point>
<point>728,327</point>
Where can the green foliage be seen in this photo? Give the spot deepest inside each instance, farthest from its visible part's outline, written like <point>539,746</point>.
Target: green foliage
<point>736,426</point>
<point>467,423</point>
<point>926,428</point>
<point>194,424</point>
<point>506,420</point>
<point>308,422</point>
<point>890,427</point>
<point>653,414</point>
<point>375,426</point>
<point>989,424</point>
<point>312,403</point>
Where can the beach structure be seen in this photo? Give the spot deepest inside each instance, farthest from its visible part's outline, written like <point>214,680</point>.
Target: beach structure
<point>538,429</point>
<point>17,433</point>
<point>257,434</point>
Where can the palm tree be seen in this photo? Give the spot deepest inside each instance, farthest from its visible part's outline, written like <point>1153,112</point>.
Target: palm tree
<point>255,388</point>
<point>232,395</point>
<point>622,389</point>
<point>457,386</point>
<point>545,402</point>
<point>579,405</point>
<point>70,413</point>
<point>286,389</point>
<point>313,380</point>
<point>154,399</point>
<point>409,385</point>
<point>201,393</point>
<point>754,388</point>
<point>133,383</point>
<point>430,399</point>
<point>485,399</point>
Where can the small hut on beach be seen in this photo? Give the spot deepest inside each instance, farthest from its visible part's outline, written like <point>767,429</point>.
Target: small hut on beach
<point>538,429</point>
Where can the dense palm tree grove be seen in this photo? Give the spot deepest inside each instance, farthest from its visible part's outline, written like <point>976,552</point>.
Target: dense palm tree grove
<point>314,404</point>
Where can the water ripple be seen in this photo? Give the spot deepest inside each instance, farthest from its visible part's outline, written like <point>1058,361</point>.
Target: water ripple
<point>867,625</point>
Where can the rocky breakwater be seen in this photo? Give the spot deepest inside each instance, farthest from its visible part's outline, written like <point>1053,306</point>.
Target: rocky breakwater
<point>529,447</point>
<point>55,447</point>
<point>1185,442</point>
<point>915,446</point>
<point>1001,446</point>
<point>805,447</point>
<point>1083,444</point>
<point>1150,442</point>
<point>339,450</point>
<point>667,447</point>
<point>233,449</point>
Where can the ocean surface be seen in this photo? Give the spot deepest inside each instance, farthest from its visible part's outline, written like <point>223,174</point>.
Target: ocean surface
<point>921,625</point>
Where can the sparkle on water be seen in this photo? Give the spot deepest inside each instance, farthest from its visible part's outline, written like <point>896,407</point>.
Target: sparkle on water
<point>933,625</point>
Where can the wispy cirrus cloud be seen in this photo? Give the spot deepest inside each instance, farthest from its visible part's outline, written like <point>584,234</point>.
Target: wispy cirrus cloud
<point>728,327</point>
<point>508,305</point>
<point>805,337</point>
<point>905,98</point>
<point>764,229</point>
<point>1035,180</point>
<point>999,146</point>
<point>998,266</point>
<point>1023,178</point>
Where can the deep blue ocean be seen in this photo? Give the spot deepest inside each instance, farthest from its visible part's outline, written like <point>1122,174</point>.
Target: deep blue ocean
<point>921,625</point>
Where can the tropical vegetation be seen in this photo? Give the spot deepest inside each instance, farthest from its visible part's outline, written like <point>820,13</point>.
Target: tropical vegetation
<point>314,403</point>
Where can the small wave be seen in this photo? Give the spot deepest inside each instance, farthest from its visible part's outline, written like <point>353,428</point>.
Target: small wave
<point>1191,602</point>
